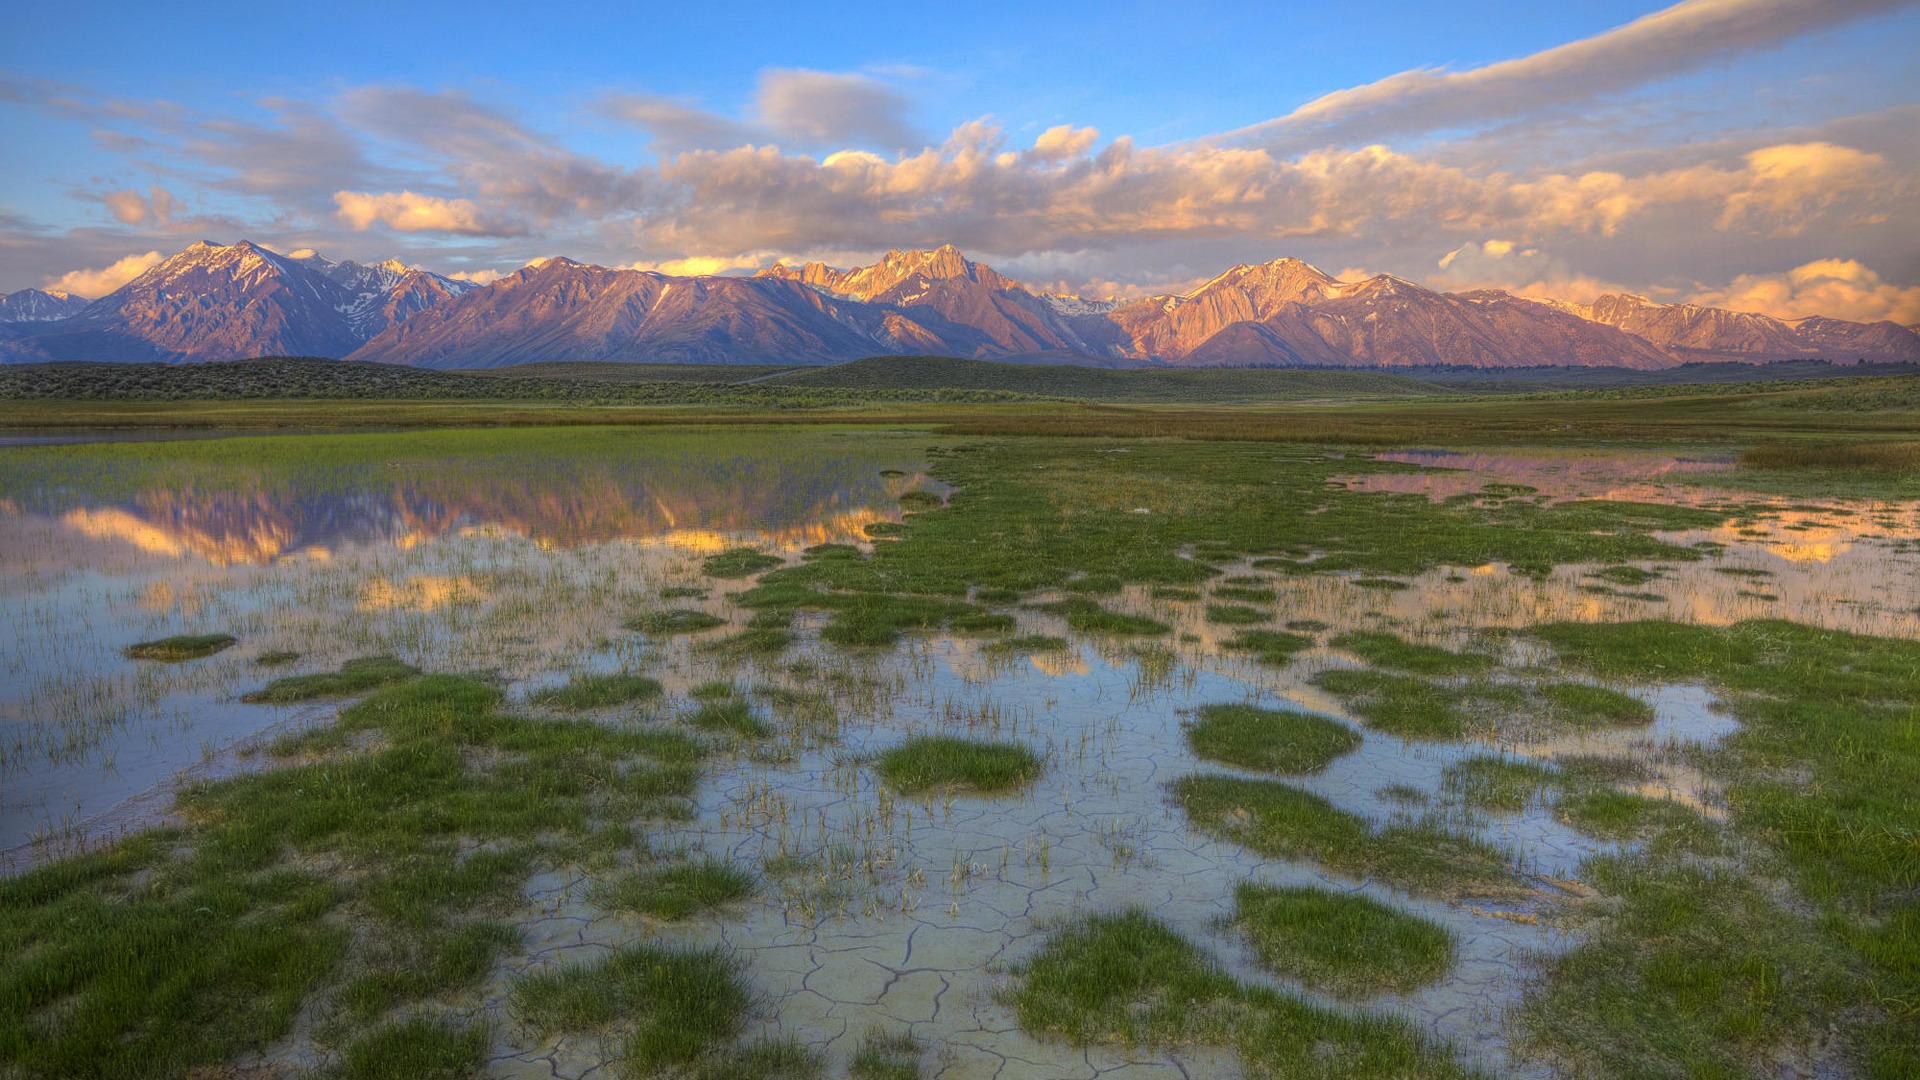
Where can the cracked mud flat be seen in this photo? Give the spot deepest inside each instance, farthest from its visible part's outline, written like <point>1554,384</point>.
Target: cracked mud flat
<point>906,913</point>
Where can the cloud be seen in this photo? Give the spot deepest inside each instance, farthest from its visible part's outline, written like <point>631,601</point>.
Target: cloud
<point>1790,185</point>
<point>676,124</point>
<point>1685,37</point>
<point>826,108</point>
<point>696,265</point>
<point>404,211</point>
<point>1837,288</point>
<point>97,283</point>
<point>1525,271</point>
<point>132,208</point>
<point>478,277</point>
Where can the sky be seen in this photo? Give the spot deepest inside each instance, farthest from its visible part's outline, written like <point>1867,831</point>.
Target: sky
<point>1756,154</point>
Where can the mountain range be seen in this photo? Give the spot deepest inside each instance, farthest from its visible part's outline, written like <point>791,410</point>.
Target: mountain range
<point>215,302</point>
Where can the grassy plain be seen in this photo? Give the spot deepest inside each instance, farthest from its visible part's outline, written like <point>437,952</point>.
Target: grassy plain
<point>362,884</point>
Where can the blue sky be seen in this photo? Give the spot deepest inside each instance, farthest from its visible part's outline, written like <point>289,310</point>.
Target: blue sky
<point>1710,150</point>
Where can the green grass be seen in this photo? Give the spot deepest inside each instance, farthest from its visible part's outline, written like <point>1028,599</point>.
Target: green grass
<point>1691,971</point>
<point>738,563</point>
<point>938,762</point>
<point>276,658</point>
<point>1401,705</point>
<point>181,647</point>
<point>669,621</point>
<point>1236,614</point>
<point>355,676</point>
<point>886,1055</point>
<point>730,715</point>
<point>1271,740</point>
<point>751,642</point>
<point>418,1048</point>
<point>1342,944</point>
<point>921,500</point>
<point>1126,980</point>
<point>675,891</point>
<point>1388,651</point>
<point>1499,784</point>
<point>1823,776</point>
<point>1284,822</point>
<point>1274,647</point>
<point>597,691</point>
<point>184,948</point>
<point>1584,705</point>
<point>671,1005</point>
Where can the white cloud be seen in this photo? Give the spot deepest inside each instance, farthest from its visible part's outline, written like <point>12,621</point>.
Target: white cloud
<point>97,283</point>
<point>478,277</point>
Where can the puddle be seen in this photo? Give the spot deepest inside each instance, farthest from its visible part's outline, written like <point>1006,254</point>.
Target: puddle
<point>520,570</point>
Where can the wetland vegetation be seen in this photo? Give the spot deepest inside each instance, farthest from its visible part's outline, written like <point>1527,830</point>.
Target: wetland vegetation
<point>887,751</point>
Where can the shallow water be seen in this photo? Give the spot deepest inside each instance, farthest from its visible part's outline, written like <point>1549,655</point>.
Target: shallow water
<point>922,907</point>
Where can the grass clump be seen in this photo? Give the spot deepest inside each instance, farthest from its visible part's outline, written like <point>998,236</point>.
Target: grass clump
<point>1401,705</point>
<point>738,563</point>
<point>181,647</point>
<point>920,500</point>
<point>276,658</point>
<point>1498,784</point>
<point>1126,980</point>
<point>1342,944</point>
<point>1585,705</point>
<point>354,676</point>
<point>1388,651</point>
<point>673,1005</point>
<point>417,1048</point>
<point>751,642</point>
<point>1273,647</point>
<point>1285,822</point>
<point>669,621</point>
<point>676,891</point>
<point>597,691</point>
<point>729,714</point>
<point>930,762</point>
<point>1272,740</point>
<point>1235,615</point>
<point>886,1055</point>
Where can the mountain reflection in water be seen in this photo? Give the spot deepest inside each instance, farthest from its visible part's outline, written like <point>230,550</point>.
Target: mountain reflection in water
<point>564,502</point>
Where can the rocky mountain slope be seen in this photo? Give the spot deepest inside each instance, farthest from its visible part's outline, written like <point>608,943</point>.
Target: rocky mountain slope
<point>220,302</point>
<point>1690,331</point>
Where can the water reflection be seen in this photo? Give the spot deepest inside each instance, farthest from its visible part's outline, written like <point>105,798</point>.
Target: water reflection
<point>512,553</point>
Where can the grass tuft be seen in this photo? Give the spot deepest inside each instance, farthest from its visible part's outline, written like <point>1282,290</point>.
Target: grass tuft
<point>1342,944</point>
<point>354,676</point>
<point>1272,740</point>
<point>597,691</point>
<point>738,563</point>
<point>669,621</point>
<point>930,762</point>
<point>674,892</point>
<point>181,647</point>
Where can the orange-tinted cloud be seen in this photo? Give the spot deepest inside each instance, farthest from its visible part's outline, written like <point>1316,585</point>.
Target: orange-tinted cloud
<point>96,283</point>
<point>1837,288</point>
<point>404,211</point>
